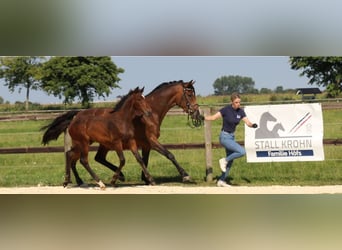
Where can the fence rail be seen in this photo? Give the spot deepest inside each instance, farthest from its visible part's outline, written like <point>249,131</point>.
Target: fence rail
<point>52,114</point>
<point>56,149</point>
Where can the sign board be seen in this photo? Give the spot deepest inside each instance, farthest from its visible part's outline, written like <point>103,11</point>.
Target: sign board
<point>286,132</point>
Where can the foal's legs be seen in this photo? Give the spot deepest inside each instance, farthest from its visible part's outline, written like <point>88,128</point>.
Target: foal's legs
<point>122,163</point>
<point>147,175</point>
<point>79,181</point>
<point>85,163</point>
<point>100,157</point>
<point>141,162</point>
<point>71,158</point>
<point>67,178</point>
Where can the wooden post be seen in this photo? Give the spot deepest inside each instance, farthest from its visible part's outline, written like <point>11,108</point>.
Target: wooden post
<point>208,147</point>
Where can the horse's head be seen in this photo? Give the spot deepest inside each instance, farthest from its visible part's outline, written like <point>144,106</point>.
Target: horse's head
<point>169,94</point>
<point>134,103</point>
<point>189,103</point>
<point>140,106</point>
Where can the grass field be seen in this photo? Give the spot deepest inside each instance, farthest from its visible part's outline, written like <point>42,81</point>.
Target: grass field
<point>48,169</point>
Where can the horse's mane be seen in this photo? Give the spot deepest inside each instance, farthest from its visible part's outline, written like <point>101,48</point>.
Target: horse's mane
<point>124,98</point>
<point>167,84</point>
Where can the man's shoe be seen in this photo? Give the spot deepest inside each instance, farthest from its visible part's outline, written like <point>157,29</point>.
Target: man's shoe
<point>221,183</point>
<point>223,164</point>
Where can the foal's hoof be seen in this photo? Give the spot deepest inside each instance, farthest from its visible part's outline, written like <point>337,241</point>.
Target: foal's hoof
<point>122,177</point>
<point>83,185</point>
<point>66,183</point>
<point>102,185</point>
<point>186,178</point>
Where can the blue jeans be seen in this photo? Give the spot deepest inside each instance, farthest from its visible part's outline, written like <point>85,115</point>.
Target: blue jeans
<point>233,150</point>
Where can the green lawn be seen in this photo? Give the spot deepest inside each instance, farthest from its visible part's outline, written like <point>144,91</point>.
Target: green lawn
<point>48,168</point>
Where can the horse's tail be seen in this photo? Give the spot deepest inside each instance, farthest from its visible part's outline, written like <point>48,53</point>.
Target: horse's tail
<point>57,126</point>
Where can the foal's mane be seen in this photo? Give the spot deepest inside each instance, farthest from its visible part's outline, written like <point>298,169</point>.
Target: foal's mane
<point>168,84</point>
<point>119,105</point>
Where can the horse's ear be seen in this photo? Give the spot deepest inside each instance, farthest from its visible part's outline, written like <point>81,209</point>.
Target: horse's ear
<point>192,82</point>
<point>142,89</point>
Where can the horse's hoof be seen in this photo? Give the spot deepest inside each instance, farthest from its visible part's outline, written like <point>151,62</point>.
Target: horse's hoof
<point>83,185</point>
<point>122,177</point>
<point>113,182</point>
<point>102,186</point>
<point>186,178</point>
<point>66,183</point>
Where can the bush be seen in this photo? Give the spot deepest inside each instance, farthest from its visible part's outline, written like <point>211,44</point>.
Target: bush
<point>273,98</point>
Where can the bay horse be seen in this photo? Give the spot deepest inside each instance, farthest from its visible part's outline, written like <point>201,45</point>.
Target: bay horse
<point>161,99</point>
<point>114,130</point>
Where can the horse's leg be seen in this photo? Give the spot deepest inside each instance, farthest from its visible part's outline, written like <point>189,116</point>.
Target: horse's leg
<point>78,179</point>
<point>68,154</point>
<point>85,163</point>
<point>162,150</point>
<point>100,157</point>
<point>67,178</point>
<point>118,171</point>
<point>72,163</point>
<point>145,156</point>
<point>148,177</point>
<point>71,158</point>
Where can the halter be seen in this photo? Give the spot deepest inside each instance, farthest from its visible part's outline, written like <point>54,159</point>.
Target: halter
<point>196,122</point>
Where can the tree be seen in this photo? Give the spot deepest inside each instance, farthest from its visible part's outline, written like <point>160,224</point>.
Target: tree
<point>21,72</point>
<point>82,77</point>
<point>265,91</point>
<point>279,89</point>
<point>227,84</point>
<point>323,71</point>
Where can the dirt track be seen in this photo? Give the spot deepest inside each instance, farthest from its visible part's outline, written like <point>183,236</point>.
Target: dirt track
<point>336,189</point>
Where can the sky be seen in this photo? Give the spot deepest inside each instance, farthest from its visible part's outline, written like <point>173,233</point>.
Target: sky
<point>157,41</point>
<point>150,71</point>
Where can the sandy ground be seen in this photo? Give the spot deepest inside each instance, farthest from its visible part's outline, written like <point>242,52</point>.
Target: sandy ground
<point>335,189</point>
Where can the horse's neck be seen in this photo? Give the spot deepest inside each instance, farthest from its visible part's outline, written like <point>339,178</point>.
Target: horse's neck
<point>161,106</point>
<point>125,112</point>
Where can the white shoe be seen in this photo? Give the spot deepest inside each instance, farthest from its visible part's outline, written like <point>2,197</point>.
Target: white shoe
<point>223,164</point>
<point>222,184</point>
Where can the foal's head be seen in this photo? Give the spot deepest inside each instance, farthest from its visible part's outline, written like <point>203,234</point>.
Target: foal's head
<point>134,103</point>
